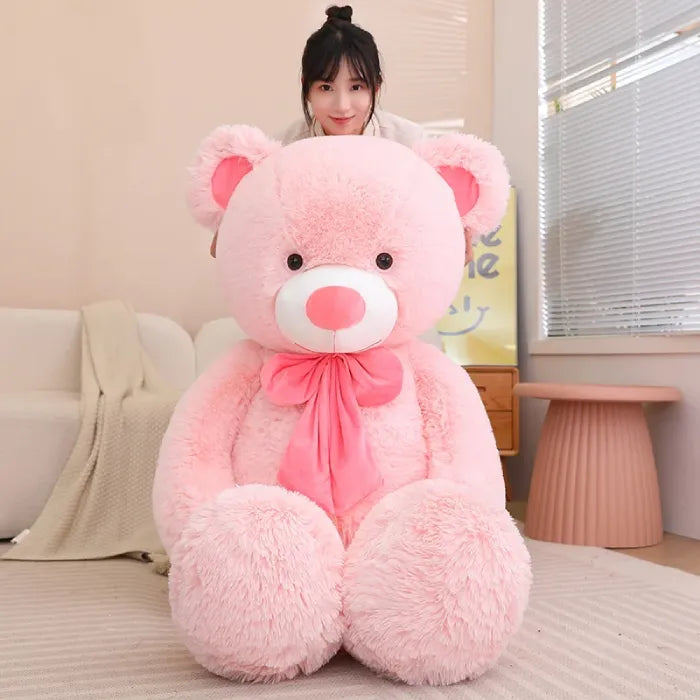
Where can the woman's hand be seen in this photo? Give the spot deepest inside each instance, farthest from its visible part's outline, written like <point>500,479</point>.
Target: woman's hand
<point>468,255</point>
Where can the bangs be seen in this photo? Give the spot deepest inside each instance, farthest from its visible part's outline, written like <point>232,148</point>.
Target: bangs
<point>329,64</point>
<point>358,66</point>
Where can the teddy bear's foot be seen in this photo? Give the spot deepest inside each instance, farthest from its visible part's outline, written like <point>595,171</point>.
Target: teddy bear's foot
<point>434,585</point>
<point>255,585</point>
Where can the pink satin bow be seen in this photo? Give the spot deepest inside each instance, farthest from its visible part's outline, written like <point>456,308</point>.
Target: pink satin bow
<point>328,457</point>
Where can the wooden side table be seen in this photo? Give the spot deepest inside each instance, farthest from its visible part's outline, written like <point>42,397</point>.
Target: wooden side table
<point>594,480</point>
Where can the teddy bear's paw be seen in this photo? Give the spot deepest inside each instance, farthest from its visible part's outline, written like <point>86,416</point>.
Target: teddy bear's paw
<point>434,585</point>
<point>255,585</point>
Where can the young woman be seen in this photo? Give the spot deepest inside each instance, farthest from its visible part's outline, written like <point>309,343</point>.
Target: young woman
<point>341,77</point>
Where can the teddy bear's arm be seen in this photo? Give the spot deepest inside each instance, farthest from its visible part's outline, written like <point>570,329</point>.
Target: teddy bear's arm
<point>194,464</point>
<point>459,438</point>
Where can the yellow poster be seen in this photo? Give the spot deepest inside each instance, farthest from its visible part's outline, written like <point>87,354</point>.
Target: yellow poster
<point>480,327</point>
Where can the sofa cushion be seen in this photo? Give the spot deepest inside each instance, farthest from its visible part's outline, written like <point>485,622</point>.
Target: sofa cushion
<point>45,349</point>
<point>37,432</point>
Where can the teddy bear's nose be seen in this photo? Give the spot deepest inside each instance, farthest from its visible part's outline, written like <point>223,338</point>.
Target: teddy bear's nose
<point>335,308</point>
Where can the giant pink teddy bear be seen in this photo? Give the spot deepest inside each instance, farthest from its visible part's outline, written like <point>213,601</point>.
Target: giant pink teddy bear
<point>334,481</point>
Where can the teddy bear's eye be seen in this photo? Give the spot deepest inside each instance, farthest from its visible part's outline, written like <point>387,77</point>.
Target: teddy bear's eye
<point>384,261</point>
<point>295,261</point>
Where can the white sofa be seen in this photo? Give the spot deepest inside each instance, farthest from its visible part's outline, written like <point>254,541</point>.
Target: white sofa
<point>40,353</point>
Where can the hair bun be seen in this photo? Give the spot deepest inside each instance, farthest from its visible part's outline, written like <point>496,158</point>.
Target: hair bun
<point>343,13</point>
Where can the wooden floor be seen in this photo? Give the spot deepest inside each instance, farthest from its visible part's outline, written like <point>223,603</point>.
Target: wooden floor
<point>676,551</point>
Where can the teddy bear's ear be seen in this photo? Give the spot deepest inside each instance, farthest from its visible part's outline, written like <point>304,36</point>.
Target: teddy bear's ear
<point>477,175</point>
<point>224,158</point>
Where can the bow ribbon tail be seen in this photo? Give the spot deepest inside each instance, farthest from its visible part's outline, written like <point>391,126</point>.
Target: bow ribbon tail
<point>354,473</point>
<point>305,467</point>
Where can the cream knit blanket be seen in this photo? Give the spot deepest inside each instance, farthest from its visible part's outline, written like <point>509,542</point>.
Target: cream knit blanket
<point>101,504</point>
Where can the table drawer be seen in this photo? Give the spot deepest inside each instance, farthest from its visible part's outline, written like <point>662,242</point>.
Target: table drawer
<point>502,424</point>
<point>495,389</point>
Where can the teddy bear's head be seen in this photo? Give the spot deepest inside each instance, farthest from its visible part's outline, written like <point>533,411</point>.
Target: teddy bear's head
<point>344,243</point>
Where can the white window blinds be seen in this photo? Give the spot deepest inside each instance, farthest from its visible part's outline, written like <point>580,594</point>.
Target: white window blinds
<point>619,167</point>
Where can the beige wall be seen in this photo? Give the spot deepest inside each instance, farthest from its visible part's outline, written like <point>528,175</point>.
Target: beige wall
<point>675,429</point>
<point>102,109</point>
<point>103,104</point>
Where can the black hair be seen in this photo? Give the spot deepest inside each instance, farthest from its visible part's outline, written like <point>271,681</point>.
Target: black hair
<point>339,38</point>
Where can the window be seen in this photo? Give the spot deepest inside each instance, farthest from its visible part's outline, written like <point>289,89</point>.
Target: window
<point>619,167</point>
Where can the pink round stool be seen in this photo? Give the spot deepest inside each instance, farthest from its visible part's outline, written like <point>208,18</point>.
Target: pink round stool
<point>594,480</point>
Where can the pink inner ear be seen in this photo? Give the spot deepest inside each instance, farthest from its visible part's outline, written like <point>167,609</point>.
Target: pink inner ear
<point>226,178</point>
<point>464,186</point>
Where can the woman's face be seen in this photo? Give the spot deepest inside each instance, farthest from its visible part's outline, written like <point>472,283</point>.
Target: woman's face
<point>341,107</point>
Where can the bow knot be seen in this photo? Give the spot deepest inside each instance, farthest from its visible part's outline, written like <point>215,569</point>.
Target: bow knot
<point>328,457</point>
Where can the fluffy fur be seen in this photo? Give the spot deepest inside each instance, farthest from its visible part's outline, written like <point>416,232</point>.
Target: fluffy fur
<point>194,464</point>
<point>224,142</point>
<point>428,572</point>
<point>456,429</point>
<point>255,584</point>
<point>485,163</point>
<point>433,584</point>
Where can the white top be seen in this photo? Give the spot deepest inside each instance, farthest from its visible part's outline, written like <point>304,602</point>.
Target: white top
<point>383,124</point>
